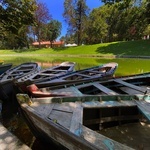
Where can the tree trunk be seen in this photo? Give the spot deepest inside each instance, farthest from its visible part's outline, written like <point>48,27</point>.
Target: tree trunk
<point>51,44</point>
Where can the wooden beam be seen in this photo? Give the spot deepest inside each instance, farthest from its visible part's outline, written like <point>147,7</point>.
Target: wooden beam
<point>144,107</point>
<point>77,119</point>
<point>130,85</point>
<point>105,89</point>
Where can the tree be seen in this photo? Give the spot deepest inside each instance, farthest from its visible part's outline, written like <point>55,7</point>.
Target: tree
<point>147,30</point>
<point>117,21</point>
<point>53,30</point>
<point>75,14</point>
<point>132,22</point>
<point>10,24</point>
<point>62,39</point>
<point>42,15</point>
<point>147,12</point>
<point>96,29</point>
<point>126,4</point>
<point>23,9</point>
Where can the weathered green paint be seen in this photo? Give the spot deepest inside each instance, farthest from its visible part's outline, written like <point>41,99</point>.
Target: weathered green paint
<point>109,144</point>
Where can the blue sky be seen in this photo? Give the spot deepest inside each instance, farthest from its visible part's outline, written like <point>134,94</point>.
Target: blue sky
<point>56,10</point>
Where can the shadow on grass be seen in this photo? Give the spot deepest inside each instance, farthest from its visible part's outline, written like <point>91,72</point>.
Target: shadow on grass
<point>36,49</point>
<point>26,50</point>
<point>60,48</point>
<point>126,48</point>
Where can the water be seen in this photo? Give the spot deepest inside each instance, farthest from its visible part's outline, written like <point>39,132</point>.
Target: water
<point>127,66</point>
<point>135,135</point>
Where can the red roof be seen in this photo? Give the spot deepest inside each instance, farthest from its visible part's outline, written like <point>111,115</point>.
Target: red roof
<point>48,43</point>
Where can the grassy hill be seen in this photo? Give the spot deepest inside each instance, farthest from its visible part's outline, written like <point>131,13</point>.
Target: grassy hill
<point>130,48</point>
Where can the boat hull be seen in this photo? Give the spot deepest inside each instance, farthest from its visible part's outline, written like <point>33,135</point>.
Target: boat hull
<point>51,133</point>
<point>4,68</point>
<point>7,90</point>
<point>64,123</point>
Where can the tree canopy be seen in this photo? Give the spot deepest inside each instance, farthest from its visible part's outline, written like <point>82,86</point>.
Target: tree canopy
<point>42,16</point>
<point>15,16</point>
<point>75,14</point>
<point>53,30</point>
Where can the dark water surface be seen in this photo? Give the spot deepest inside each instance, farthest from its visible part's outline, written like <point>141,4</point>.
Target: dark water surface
<point>135,135</point>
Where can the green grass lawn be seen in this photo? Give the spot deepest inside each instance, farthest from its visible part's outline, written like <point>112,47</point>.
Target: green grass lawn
<point>138,48</point>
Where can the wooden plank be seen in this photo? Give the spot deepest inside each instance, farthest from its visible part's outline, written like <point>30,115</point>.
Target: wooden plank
<point>65,107</point>
<point>19,70</point>
<point>47,74</point>
<point>144,107</point>
<point>144,75</point>
<point>44,109</point>
<point>101,141</point>
<point>130,91</point>
<point>128,103</point>
<point>62,114</point>
<point>62,118</point>
<point>105,89</point>
<point>78,75</point>
<point>77,119</point>
<point>130,85</point>
<point>71,91</point>
<point>50,109</point>
<point>97,72</point>
<point>96,104</point>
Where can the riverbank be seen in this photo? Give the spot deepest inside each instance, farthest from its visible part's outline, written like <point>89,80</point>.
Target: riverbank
<point>68,55</point>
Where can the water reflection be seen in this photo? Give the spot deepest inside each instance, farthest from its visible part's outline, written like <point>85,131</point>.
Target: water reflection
<point>127,66</point>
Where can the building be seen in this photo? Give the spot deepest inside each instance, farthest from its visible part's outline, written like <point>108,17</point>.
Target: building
<point>47,44</point>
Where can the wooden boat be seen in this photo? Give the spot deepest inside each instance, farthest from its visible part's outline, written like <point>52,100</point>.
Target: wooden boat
<point>97,72</point>
<point>131,85</point>
<point>4,67</point>
<point>19,71</point>
<point>6,79</point>
<point>73,122</point>
<point>52,72</point>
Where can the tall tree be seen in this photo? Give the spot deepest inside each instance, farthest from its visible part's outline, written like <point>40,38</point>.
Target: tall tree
<point>147,13</point>
<point>75,14</point>
<point>96,27</point>
<point>53,30</point>
<point>42,15</point>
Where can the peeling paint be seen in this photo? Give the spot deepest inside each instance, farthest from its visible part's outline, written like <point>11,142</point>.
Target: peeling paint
<point>109,144</point>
